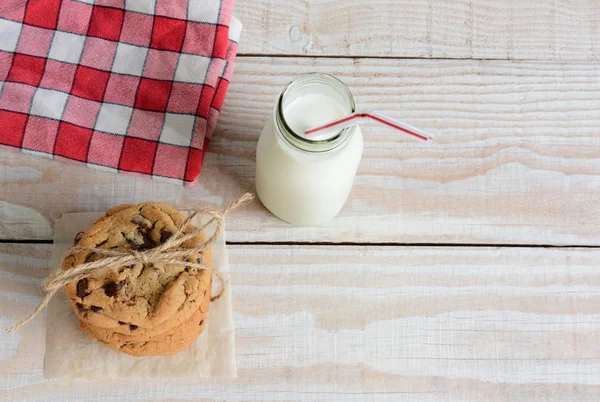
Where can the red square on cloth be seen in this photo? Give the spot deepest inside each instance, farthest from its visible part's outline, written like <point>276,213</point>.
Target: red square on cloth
<point>58,75</point>
<point>16,97</point>
<point>219,98</point>
<point>27,69</point>
<point>72,142</point>
<point>184,97</point>
<point>42,13</point>
<point>90,83</point>
<point>105,149</point>
<point>172,8</point>
<point>160,64</point>
<point>165,155</point>
<point>12,128</point>
<point>199,133</point>
<point>215,69</point>
<point>106,23</point>
<point>168,33</point>
<point>207,96</point>
<point>81,112</point>
<point>137,29</point>
<point>194,164</point>
<point>121,89</point>
<point>111,3</point>
<point>153,94</point>
<point>225,13</point>
<point>138,155</point>
<point>74,17</point>
<point>40,134</point>
<point>199,38</point>
<point>5,63</point>
<point>221,42</point>
<point>13,9</point>
<point>98,53</point>
<point>35,41</point>
<point>146,124</point>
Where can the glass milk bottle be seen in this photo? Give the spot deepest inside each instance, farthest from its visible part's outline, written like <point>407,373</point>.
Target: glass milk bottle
<point>306,180</point>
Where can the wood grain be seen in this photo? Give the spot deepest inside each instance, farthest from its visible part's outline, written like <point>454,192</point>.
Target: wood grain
<point>516,158</point>
<point>459,29</point>
<point>364,323</point>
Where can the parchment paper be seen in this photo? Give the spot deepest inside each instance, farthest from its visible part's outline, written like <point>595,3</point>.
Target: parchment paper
<point>70,353</point>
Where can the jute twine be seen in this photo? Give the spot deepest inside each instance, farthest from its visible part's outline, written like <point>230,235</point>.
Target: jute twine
<point>166,253</point>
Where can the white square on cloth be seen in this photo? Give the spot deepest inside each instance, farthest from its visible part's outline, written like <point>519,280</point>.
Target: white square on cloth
<point>177,129</point>
<point>70,353</point>
<point>114,118</point>
<point>10,35</point>
<point>141,6</point>
<point>67,47</point>
<point>49,103</point>
<point>192,68</point>
<point>129,59</point>
<point>204,11</point>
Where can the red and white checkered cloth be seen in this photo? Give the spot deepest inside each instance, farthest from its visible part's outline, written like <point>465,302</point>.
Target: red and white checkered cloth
<point>125,85</point>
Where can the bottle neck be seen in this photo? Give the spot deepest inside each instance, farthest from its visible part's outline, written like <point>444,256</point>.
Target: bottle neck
<point>327,87</point>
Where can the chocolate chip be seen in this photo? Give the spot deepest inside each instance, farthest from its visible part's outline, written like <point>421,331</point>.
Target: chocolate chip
<point>187,269</point>
<point>111,288</point>
<point>82,288</point>
<point>96,309</point>
<point>165,235</point>
<point>80,307</point>
<point>133,327</point>
<point>141,242</point>
<point>148,242</point>
<point>122,323</point>
<point>140,221</point>
<point>78,237</point>
<point>201,322</point>
<point>133,245</point>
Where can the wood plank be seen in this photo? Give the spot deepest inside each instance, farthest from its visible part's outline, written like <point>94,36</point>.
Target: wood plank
<point>516,158</point>
<point>364,323</point>
<point>463,29</point>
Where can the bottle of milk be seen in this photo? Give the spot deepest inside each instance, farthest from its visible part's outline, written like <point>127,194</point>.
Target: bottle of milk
<point>305,180</point>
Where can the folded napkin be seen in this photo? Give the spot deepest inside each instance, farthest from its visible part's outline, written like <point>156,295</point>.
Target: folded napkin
<point>125,85</point>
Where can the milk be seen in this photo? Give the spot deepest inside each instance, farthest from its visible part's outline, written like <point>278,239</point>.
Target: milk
<point>313,110</point>
<point>301,186</point>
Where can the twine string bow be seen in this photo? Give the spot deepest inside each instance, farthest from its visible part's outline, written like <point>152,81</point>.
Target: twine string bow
<point>166,253</point>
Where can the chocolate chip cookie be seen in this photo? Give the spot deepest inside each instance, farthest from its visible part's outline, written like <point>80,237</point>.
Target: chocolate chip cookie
<point>169,342</point>
<point>123,332</point>
<point>138,300</point>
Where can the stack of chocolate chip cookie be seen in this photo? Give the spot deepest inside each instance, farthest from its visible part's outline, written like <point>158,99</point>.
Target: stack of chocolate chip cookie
<point>140,309</point>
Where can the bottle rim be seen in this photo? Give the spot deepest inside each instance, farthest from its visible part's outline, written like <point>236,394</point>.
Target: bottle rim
<point>299,140</point>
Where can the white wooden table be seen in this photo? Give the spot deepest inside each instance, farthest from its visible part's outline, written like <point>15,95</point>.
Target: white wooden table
<point>442,278</point>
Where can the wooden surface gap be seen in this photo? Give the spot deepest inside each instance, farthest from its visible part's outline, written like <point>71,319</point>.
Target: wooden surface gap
<point>363,244</point>
<point>445,245</point>
<point>372,57</point>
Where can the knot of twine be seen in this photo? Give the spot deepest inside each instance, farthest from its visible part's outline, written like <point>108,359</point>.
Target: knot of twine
<point>166,253</point>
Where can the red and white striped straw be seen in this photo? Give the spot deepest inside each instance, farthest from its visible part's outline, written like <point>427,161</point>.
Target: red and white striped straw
<point>372,115</point>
